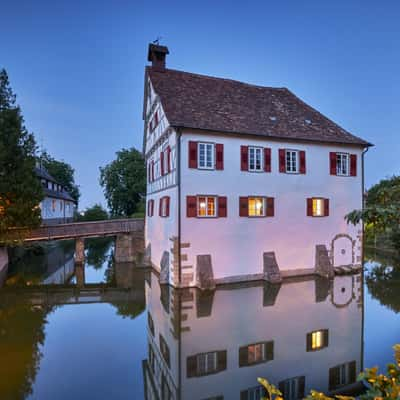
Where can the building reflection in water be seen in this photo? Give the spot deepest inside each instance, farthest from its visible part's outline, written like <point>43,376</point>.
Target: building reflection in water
<point>302,334</point>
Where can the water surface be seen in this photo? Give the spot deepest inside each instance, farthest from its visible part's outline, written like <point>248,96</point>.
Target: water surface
<point>110,331</point>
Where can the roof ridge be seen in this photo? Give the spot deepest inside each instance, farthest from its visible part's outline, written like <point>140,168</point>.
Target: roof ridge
<point>218,78</point>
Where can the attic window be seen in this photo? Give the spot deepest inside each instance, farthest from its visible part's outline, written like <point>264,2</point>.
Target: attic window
<point>272,118</point>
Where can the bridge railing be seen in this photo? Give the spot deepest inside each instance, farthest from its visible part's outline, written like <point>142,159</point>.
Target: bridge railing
<point>87,229</point>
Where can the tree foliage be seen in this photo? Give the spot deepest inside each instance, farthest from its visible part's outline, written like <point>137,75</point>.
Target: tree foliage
<point>20,190</point>
<point>382,210</point>
<point>94,213</point>
<point>124,182</point>
<point>62,172</point>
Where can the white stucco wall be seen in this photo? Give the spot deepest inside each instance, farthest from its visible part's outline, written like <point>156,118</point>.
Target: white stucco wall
<point>160,231</point>
<point>237,244</point>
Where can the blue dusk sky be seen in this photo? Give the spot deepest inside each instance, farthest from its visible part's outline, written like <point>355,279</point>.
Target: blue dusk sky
<point>77,67</point>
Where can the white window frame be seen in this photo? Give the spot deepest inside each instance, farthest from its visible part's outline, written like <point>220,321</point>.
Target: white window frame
<point>259,353</point>
<point>208,163</point>
<point>254,150</point>
<point>210,364</point>
<point>297,163</point>
<point>264,206</point>
<point>165,159</point>
<point>215,199</point>
<point>342,163</point>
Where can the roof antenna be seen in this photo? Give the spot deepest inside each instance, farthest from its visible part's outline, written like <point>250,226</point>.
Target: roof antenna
<point>157,41</point>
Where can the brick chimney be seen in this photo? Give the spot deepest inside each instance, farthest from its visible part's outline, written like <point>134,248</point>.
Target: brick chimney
<point>157,55</point>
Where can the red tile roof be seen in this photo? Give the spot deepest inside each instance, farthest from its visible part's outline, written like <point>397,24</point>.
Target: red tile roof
<point>223,105</point>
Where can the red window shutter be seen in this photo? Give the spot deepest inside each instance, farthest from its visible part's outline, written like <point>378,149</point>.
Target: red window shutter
<point>333,163</point>
<point>309,207</point>
<point>167,206</point>
<point>162,162</point>
<point>160,206</point>
<point>353,164</point>
<point>243,207</point>
<point>244,158</point>
<point>168,160</point>
<point>155,119</point>
<point>302,155</point>
<point>270,207</point>
<point>152,170</point>
<point>222,206</point>
<point>219,150</point>
<point>282,161</point>
<point>326,207</point>
<point>192,154</point>
<point>267,159</point>
<point>191,204</point>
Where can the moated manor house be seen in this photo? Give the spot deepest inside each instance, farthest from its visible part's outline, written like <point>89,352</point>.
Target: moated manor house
<point>244,182</point>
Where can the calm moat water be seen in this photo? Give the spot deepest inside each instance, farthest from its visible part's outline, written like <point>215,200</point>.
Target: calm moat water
<point>109,331</point>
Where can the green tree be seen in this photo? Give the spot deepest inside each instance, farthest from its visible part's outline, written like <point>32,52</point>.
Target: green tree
<point>124,182</point>
<point>20,190</point>
<point>381,213</point>
<point>62,172</point>
<point>94,213</point>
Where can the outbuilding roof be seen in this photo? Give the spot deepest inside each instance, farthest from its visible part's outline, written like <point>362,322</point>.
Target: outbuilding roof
<point>224,105</point>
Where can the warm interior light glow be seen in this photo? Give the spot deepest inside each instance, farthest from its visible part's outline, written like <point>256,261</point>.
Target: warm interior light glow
<point>318,207</point>
<point>316,340</point>
<point>256,206</point>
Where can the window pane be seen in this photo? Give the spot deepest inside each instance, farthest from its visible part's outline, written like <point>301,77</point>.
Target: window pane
<point>318,207</point>
<point>316,340</point>
<point>256,206</point>
<point>210,206</point>
<point>201,211</point>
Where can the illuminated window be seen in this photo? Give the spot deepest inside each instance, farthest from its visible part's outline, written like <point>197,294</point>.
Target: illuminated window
<point>256,206</point>
<point>317,340</point>
<point>255,159</point>
<point>206,154</point>
<point>206,206</point>
<point>318,207</point>
<point>292,161</point>
<point>342,164</point>
<point>1,210</point>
